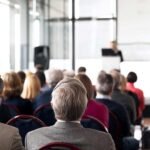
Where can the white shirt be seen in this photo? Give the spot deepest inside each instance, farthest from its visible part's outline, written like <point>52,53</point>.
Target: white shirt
<point>101,96</point>
<point>77,121</point>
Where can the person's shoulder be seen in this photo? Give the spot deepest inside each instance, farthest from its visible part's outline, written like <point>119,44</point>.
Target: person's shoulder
<point>38,131</point>
<point>96,135</point>
<point>8,128</point>
<point>95,132</point>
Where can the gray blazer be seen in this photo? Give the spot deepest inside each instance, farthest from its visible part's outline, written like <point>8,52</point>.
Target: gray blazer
<point>10,138</point>
<point>74,133</point>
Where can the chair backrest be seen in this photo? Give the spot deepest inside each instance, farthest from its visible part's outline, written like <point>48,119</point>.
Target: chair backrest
<point>14,111</point>
<point>92,122</point>
<point>59,146</point>
<point>25,123</point>
<point>46,114</point>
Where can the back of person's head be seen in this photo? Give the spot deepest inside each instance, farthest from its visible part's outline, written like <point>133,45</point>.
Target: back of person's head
<point>69,73</point>
<point>12,85</point>
<point>105,83</point>
<point>81,69</point>
<point>132,77</point>
<point>69,99</point>
<point>22,76</point>
<point>53,76</point>
<point>41,76</point>
<point>39,67</point>
<point>116,77</point>
<point>123,82</point>
<point>31,87</point>
<point>87,83</point>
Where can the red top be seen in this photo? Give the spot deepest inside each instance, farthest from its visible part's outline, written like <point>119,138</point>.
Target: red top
<point>97,110</point>
<point>140,95</point>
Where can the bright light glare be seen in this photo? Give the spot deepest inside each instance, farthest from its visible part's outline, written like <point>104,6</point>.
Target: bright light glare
<point>4,38</point>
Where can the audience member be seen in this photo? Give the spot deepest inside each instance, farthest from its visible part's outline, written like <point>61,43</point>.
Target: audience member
<point>10,138</point>
<point>68,73</point>
<point>31,87</point>
<point>4,111</point>
<point>104,89</point>
<point>22,76</point>
<point>131,79</point>
<point>42,78</point>
<point>82,70</point>
<point>95,109</point>
<point>133,95</point>
<point>121,97</point>
<point>53,76</point>
<point>12,91</point>
<point>69,100</point>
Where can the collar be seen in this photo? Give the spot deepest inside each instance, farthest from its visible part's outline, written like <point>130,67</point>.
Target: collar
<point>77,121</point>
<point>102,96</point>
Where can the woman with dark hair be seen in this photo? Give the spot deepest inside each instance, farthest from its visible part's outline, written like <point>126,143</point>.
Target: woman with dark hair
<point>95,109</point>
<point>131,79</point>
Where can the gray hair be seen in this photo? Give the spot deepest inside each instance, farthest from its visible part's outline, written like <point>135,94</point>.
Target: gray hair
<point>116,77</point>
<point>105,83</point>
<point>69,99</point>
<point>53,76</point>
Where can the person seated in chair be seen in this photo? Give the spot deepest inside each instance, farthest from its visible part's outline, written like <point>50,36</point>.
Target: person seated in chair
<point>10,138</point>
<point>4,110</point>
<point>69,101</point>
<point>94,108</point>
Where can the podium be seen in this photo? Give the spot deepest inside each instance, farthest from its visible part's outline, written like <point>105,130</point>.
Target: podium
<point>110,62</point>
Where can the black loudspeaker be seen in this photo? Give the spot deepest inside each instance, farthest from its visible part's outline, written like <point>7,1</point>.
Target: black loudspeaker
<point>41,57</point>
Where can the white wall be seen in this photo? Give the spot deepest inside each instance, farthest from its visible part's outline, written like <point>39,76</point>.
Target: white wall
<point>134,29</point>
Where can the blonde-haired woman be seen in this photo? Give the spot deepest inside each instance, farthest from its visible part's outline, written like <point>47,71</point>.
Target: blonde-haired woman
<point>31,87</point>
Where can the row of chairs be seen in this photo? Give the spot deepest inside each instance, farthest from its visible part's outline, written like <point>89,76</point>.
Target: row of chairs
<point>44,116</point>
<point>41,113</point>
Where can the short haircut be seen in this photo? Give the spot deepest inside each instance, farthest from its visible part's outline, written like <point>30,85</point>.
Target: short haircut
<point>12,85</point>
<point>53,76</point>
<point>105,83</point>
<point>116,78</point>
<point>69,99</point>
<point>81,69</point>
<point>87,83</point>
<point>132,77</point>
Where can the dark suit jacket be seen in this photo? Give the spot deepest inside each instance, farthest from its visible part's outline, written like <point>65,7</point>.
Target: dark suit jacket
<point>119,53</point>
<point>43,98</point>
<point>127,101</point>
<point>4,113</point>
<point>119,128</point>
<point>74,133</point>
<point>121,114</point>
<point>24,105</point>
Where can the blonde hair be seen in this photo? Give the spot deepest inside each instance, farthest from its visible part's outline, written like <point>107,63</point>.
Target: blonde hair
<point>123,82</point>
<point>31,87</point>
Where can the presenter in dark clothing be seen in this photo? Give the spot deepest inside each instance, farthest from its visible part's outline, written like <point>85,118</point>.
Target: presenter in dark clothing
<point>117,52</point>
